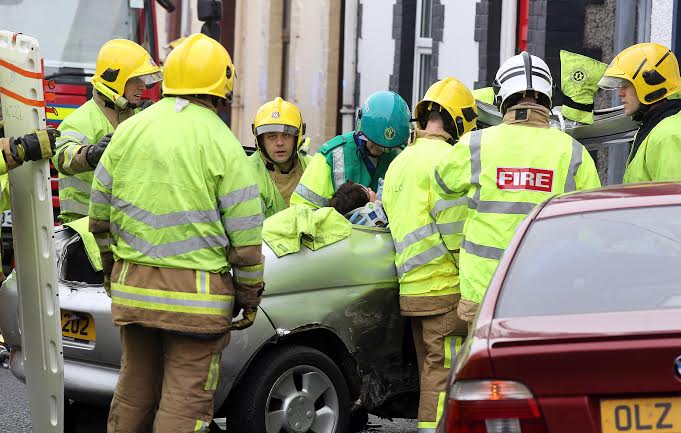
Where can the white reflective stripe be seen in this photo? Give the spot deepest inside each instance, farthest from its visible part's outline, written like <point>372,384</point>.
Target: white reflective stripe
<point>575,162</point>
<point>251,275</point>
<point>238,196</point>
<point>242,223</point>
<point>427,430</point>
<point>165,220</point>
<point>74,206</point>
<point>483,251</point>
<point>476,164</point>
<point>423,258</point>
<point>451,228</point>
<point>442,183</point>
<point>74,182</point>
<point>311,196</point>
<point>99,197</point>
<point>171,248</point>
<point>68,135</point>
<point>338,160</point>
<point>192,303</point>
<point>203,278</point>
<point>503,207</point>
<point>415,236</point>
<point>103,176</point>
<point>441,205</point>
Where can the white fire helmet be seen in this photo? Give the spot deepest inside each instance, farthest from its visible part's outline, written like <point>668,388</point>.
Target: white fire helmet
<point>523,74</point>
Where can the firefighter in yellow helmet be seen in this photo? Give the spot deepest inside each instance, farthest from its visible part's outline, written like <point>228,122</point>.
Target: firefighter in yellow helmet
<point>281,157</point>
<point>427,270</point>
<point>174,202</point>
<point>124,70</point>
<point>646,76</point>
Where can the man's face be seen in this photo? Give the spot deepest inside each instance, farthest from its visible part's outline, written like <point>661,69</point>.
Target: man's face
<point>374,149</point>
<point>133,90</point>
<point>279,146</point>
<point>629,99</point>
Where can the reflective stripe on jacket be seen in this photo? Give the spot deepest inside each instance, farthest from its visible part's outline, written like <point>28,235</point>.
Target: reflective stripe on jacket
<point>270,195</point>
<point>425,266</point>
<point>658,158</point>
<point>502,172</point>
<point>336,162</point>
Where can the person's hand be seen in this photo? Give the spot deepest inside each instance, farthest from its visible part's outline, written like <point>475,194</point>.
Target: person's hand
<point>95,152</point>
<point>246,322</point>
<point>36,145</point>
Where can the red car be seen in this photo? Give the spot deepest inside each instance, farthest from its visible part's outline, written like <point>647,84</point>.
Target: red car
<point>580,329</point>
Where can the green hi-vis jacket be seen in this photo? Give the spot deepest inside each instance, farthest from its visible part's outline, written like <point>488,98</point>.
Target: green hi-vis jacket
<point>336,162</point>
<point>658,158</point>
<point>502,173</point>
<point>425,265</point>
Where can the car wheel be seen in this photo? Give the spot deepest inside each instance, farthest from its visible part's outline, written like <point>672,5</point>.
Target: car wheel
<point>292,389</point>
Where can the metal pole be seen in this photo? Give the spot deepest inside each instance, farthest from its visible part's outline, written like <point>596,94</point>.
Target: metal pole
<point>347,110</point>
<point>507,40</point>
<point>625,21</point>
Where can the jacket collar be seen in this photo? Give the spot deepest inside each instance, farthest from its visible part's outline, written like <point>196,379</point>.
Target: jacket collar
<point>528,114</point>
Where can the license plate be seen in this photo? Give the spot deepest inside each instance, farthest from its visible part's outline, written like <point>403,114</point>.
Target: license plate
<point>641,415</point>
<point>78,326</point>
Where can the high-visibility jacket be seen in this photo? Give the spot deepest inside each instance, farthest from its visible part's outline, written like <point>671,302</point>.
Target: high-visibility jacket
<point>178,193</point>
<point>658,158</point>
<point>425,266</point>
<point>80,129</point>
<point>579,76</point>
<point>336,162</point>
<point>296,225</point>
<point>502,172</point>
<point>272,200</point>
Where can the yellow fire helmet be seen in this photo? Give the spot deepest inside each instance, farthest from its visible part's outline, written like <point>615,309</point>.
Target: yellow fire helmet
<point>199,66</point>
<point>279,116</point>
<point>121,59</point>
<point>651,68</point>
<point>458,102</point>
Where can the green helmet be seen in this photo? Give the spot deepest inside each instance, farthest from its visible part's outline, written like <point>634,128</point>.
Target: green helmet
<point>384,119</point>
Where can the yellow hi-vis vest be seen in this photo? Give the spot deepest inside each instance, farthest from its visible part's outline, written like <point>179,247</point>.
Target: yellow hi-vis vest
<point>177,190</point>
<point>425,266</point>
<point>502,172</point>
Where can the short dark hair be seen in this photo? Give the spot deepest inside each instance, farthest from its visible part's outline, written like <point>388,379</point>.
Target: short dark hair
<point>349,196</point>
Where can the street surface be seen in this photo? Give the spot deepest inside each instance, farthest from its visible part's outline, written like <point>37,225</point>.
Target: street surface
<point>14,414</point>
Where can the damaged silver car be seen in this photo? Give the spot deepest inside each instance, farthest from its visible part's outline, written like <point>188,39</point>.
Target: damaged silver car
<point>328,345</point>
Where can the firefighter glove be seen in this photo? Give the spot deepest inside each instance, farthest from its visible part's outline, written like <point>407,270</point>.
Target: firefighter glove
<point>246,322</point>
<point>95,152</point>
<point>34,146</point>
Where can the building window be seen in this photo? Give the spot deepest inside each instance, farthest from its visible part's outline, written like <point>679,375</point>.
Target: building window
<point>424,75</point>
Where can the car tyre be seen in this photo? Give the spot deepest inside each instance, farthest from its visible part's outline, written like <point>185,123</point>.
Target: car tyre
<point>291,389</point>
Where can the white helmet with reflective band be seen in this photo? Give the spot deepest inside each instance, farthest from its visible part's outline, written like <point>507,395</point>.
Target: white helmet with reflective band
<point>523,75</point>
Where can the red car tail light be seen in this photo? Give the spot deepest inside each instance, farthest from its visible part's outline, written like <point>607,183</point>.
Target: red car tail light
<point>492,406</point>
